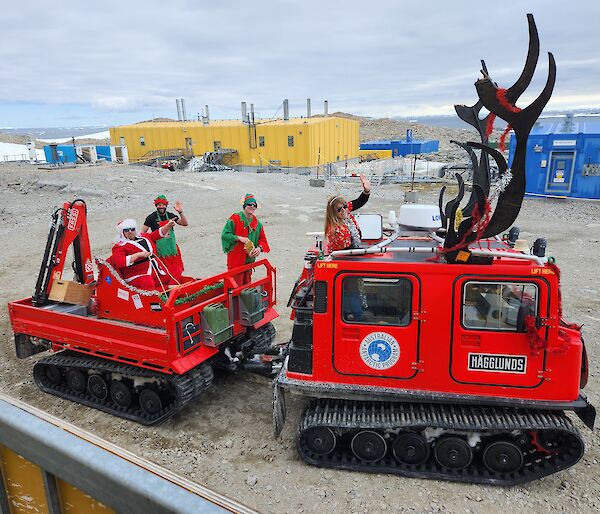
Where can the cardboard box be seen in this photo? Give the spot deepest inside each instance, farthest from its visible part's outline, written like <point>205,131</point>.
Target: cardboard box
<point>66,291</point>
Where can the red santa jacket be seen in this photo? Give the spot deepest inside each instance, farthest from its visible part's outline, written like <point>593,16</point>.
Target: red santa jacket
<point>122,251</point>
<point>338,238</point>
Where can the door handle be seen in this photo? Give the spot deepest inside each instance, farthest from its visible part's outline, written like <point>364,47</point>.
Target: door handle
<point>470,340</point>
<point>350,333</point>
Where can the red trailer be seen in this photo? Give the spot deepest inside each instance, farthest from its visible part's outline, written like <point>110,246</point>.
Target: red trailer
<point>138,354</point>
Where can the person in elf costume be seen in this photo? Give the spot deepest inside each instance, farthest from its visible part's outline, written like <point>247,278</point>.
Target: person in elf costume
<point>167,249</point>
<point>243,238</point>
<point>132,256</point>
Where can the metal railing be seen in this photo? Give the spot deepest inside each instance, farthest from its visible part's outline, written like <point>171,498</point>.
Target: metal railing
<point>16,157</point>
<point>167,153</point>
<point>70,457</point>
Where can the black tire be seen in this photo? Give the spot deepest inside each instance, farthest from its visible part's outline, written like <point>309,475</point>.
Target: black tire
<point>503,457</point>
<point>121,394</point>
<point>410,449</point>
<point>320,440</point>
<point>53,374</point>
<point>150,402</point>
<point>368,446</point>
<point>97,387</point>
<point>76,380</point>
<point>453,453</point>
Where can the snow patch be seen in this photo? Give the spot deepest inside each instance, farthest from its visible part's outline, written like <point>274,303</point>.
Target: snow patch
<point>105,134</point>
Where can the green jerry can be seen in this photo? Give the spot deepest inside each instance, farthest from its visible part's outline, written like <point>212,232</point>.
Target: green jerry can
<point>216,325</point>
<point>251,306</point>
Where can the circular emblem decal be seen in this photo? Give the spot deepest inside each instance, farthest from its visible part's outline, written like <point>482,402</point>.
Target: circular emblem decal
<point>379,350</point>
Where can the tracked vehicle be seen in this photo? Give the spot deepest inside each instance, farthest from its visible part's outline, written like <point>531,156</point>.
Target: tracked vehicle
<point>441,351</point>
<point>137,354</point>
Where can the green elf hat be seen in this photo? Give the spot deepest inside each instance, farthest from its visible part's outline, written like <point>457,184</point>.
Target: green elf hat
<point>248,199</point>
<point>161,199</point>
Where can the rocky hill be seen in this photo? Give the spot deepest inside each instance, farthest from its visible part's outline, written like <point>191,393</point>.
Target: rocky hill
<point>387,128</point>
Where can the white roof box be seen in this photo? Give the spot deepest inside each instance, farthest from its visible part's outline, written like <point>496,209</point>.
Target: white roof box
<point>425,217</point>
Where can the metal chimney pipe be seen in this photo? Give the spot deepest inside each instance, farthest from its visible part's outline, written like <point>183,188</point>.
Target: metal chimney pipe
<point>178,108</point>
<point>183,114</point>
<point>206,112</point>
<point>252,113</point>
<point>308,107</point>
<point>326,108</point>
<point>286,109</point>
<point>244,113</point>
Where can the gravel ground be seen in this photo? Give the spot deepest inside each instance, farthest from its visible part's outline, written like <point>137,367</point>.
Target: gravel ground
<point>224,440</point>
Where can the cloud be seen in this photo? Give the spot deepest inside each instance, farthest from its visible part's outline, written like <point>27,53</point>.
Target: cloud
<point>368,58</point>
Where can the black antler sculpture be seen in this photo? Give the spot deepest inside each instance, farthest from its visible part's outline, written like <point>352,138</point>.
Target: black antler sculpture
<point>476,219</point>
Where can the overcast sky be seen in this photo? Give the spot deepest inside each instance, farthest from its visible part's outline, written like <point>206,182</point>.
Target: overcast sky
<point>105,62</point>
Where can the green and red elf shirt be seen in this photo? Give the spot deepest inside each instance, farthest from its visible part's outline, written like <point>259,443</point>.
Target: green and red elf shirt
<point>239,225</point>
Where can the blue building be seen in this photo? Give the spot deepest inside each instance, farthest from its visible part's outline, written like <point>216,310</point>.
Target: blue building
<point>563,157</point>
<point>60,154</point>
<point>409,146</point>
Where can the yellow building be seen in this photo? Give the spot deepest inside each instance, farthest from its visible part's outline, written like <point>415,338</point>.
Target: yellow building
<point>294,143</point>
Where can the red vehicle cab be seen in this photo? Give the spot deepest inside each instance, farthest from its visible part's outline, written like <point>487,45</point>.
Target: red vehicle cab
<point>399,321</point>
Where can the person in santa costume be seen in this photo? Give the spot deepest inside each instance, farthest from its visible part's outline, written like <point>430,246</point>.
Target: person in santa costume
<point>243,238</point>
<point>166,248</point>
<point>132,253</point>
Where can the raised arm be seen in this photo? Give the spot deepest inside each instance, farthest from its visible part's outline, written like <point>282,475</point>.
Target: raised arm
<point>364,196</point>
<point>182,219</point>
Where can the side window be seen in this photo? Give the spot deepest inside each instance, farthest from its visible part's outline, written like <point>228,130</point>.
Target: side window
<point>217,145</point>
<point>378,301</point>
<point>498,306</point>
<point>142,141</point>
<point>122,139</point>
<point>290,140</point>
<point>261,140</point>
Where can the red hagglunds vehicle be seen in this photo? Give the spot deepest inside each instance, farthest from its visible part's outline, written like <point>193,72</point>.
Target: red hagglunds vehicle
<point>138,354</point>
<point>440,351</point>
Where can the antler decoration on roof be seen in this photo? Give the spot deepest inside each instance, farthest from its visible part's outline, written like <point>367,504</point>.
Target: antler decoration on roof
<point>477,222</point>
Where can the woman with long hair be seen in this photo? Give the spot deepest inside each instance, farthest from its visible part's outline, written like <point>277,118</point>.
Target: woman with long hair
<point>341,229</point>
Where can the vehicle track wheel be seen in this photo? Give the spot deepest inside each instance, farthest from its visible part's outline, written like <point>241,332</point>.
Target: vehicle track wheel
<point>97,387</point>
<point>453,453</point>
<point>410,449</point>
<point>121,394</point>
<point>368,446</point>
<point>53,374</point>
<point>503,457</point>
<point>320,440</point>
<point>150,402</point>
<point>76,380</point>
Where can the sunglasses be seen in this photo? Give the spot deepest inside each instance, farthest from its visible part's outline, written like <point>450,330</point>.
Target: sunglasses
<point>342,207</point>
<point>129,230</point>
<point>251,205</point>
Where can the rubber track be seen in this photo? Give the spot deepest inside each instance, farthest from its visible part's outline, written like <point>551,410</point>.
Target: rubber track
<point>345,417</point>
<point>262,338</point>
<point>183,388</point>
